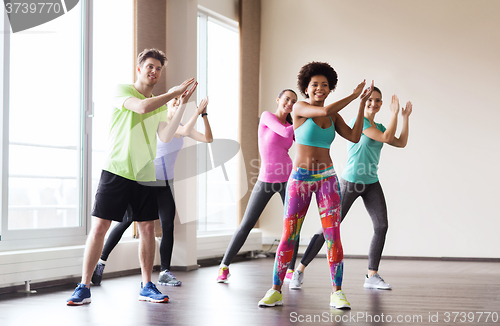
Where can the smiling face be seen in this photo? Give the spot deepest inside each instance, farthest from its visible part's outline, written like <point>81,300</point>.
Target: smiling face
<point>149,73</point>
<point>374,103</point>
<point>286,101</point>
<point>318,89</point>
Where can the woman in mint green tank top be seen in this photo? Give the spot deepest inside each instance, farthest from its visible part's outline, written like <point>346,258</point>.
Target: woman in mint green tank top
<point>360,179</point>
<point>315,125</point>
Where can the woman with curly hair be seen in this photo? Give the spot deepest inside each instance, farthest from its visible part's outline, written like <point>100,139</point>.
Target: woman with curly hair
<point>315,125</point>
<point>360,179</point>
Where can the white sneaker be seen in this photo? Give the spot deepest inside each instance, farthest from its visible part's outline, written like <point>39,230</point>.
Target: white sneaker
<point>296,281</point>
<point>376,282</point>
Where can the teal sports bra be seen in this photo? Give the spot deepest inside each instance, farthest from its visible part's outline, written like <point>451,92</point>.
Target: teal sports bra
<point>310,134</point>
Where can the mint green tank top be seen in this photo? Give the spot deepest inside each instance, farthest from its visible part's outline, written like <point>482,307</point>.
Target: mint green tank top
<point>310,134</point>
<point>364,156</point>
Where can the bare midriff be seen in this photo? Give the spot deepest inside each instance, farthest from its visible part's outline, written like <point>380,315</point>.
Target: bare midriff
<point>312,158</point>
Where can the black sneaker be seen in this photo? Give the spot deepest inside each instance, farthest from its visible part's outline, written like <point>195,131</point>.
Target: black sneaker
<point>97,276</point>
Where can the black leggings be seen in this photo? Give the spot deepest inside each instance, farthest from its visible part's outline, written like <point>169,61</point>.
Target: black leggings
<point>261,194</point>
<point>374,200</point>
<point>166,211</point>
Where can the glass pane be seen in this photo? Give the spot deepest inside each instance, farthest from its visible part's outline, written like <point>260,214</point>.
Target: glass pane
<point>222,88</point>
<point>44,124</point>
<point>117,67</point>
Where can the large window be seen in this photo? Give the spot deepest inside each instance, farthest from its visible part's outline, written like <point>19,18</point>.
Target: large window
<point>45,104</point>
<point>218,76</point>
<point>113,64</point>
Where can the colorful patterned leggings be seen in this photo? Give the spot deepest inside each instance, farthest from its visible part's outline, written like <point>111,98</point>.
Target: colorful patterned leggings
<point>301,185</point>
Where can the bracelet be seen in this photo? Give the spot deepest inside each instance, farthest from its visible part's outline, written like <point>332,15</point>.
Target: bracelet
<point>204,114</point>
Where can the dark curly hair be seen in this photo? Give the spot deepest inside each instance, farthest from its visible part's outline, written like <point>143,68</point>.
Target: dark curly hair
<point>314,69</point>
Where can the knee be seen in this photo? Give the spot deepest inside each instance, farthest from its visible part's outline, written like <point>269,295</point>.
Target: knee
<point>167,225</point>
<point>146,229</point>
<point>100,226</point>
<point>382,228</point>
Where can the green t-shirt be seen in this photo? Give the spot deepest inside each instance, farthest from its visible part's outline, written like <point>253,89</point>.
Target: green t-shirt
<point>132,138</point>
<point>362,164</point>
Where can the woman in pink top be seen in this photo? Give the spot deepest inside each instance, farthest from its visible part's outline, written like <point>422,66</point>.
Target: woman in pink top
<point>275,139</point>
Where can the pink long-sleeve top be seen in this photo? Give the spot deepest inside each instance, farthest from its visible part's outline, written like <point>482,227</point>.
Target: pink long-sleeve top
<point>275,139</point>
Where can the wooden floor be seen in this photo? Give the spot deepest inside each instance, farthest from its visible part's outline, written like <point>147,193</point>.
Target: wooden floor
<point>424,293</point>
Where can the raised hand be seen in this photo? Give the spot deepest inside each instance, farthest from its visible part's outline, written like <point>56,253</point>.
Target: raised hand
<point>406,111</point>
<point>359,88</point>
<point>395,104</point>
<point>203,106</point>
<point>186,95</point>
<point>183,87</point>
<point>366,93</point>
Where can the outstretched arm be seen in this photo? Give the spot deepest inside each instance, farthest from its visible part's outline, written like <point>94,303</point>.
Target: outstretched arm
<point>403,138</point>
<point>188,128</point>
<point>305,110</point>
<point>165,130</point>
<point>153,103</point>
<point>388,135</point>
<point>354,134</point>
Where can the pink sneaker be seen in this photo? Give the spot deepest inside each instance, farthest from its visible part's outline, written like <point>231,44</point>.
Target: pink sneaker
<point>223,275</point>
<point>288,276</point>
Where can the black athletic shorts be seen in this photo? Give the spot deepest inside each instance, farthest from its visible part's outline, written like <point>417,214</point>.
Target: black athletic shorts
<point>116,195</point>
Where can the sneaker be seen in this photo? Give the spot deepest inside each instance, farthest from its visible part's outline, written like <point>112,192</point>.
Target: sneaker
<point>271,299</point>
<point>288,276</point>
<point>223,275</point>
<point>151,294</point>
<point>338,300</point>
<point>80,296</point>
<point>376,282</point>
<point>297,280</point>
<point>97,275</point>
<point>167,278</point>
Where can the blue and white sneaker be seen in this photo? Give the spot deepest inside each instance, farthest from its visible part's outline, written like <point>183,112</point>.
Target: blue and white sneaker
<point>151,294</point>
<point>80,296</point>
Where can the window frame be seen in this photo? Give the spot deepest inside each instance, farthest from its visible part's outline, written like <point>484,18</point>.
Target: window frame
<point>204,17</point>
<point>50,237</point>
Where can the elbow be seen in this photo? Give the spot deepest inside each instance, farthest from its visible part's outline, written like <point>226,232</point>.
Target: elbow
<point>166,138</point>
<point>210,140</point>
<point>398,143</point>
<point>355,138</point>
<point>389,139</point>
<point>143,108</point>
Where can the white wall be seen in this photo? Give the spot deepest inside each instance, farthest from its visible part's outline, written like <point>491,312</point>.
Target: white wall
<point>441,190</point>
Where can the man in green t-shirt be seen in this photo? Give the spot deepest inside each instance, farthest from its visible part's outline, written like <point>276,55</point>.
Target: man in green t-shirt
<point>137,117</point>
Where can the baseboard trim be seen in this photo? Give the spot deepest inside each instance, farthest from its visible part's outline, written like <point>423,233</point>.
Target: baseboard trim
<point>185,268</point>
